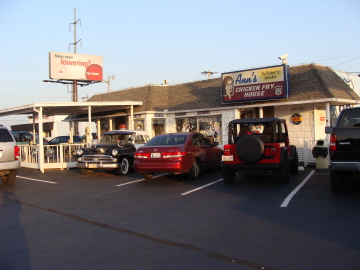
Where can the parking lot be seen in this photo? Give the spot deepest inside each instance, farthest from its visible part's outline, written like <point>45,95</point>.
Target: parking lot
<point>66,220</point>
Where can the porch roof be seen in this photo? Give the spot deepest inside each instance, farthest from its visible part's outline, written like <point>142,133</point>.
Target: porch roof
<point>67,108</point>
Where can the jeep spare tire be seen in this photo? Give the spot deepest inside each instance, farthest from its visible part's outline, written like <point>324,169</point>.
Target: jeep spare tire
<point>250,148</point>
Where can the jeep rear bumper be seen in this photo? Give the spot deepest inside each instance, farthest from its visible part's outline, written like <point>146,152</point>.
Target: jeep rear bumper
<point>251,167</point>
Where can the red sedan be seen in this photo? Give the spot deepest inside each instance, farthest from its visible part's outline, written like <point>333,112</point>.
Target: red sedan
<point>177,153</point>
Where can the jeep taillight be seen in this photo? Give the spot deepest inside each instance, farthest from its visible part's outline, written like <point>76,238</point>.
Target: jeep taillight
<point>333,142</point>
<point>16,152</point>
<point>273,151</point>
<point>227,152</point>
<point>270,151</point>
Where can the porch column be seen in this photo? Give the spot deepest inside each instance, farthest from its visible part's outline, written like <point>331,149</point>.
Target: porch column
<point>261,113</point>
<point>110,123</point>
<point>34,129</point>
<point>131,124</point>
<point>41,140</point>
<point>89,136</point>
<point>98,123</point>
<point>71,129</point>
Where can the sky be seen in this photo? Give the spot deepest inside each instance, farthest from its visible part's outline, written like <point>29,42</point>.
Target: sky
<point>146,42</point>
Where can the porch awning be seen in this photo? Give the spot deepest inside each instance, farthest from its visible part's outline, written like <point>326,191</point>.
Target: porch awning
<point>29,127</point>
<point>67,108</point>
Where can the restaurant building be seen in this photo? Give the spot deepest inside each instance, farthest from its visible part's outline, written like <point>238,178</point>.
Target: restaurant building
<point>314,96</point>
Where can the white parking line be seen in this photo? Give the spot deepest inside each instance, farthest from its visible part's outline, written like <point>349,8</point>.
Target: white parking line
<point>128,183</point>
<point>292,194</point>
<point>196,189</point>
<point>38,180</point>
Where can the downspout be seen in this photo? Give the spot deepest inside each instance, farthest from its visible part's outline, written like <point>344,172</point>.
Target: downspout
<point>41,139</point>
<point>328,119</point>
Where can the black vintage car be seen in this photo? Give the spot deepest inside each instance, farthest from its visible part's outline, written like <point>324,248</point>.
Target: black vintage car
<point>115,151</point>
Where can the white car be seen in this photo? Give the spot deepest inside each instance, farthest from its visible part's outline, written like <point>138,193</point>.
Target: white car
<point>9,156</point>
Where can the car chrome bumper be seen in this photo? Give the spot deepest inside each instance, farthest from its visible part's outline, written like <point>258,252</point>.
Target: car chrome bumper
<point>97,165</point>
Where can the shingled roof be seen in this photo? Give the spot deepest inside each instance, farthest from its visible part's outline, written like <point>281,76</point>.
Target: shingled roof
<point>307,82</point>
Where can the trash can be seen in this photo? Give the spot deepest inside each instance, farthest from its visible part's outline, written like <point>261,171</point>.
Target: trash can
<point>320,152</point>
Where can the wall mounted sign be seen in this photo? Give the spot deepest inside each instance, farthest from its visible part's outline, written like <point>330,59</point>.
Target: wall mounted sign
<point>255,84</point>
<point>296,118</point>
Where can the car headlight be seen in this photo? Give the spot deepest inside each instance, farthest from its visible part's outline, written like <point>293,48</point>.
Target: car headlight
<point>79,152</point>
<point>114,152</point>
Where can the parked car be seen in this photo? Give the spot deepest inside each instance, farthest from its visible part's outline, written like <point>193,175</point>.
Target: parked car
<point>177,153</point>
<point>64,139</point>
<point>115,151</point>
<point>22,137</point>
<point>259,145</point>
<point>9,157</point>
<point>344,147</point>
<point>44,139</point>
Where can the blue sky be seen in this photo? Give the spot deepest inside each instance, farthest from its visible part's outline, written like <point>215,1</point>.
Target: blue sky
<point>147,42</point>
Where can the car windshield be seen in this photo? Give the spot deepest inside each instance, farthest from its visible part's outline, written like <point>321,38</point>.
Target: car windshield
<point>110,138</point>
<point>167,140</point>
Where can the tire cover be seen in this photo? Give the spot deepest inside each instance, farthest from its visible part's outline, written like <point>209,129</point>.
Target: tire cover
<point>250,148</point>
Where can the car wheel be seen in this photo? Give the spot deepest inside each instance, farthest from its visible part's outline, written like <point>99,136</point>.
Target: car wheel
<point>194,171</point>
<point>294,163</point>
<point>228,176</point>
<point>9,179</point>
<point>124,166</point>
<point>147,176</point>
<point>336,180</point>
<point>87,171</point>
<point>284,171</point>
<point>250,148</point>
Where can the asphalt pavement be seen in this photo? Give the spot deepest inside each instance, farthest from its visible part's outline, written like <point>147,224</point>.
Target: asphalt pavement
<point>66,220</point>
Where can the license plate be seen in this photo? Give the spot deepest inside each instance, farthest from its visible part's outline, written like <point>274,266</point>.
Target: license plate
<point>227,158</point>
<point>155,155</point>
<point>92,165</point>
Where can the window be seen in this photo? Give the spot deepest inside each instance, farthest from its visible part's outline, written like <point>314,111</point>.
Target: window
<point>197,141</point>
<point>158,126</point>
<point>5,136</point>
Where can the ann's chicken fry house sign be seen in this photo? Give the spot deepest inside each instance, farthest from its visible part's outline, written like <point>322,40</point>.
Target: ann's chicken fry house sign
<point>72,66</point>
<point>255,84</point>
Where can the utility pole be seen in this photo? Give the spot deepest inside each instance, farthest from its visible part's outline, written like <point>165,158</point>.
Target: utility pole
<point>208,73</point>
<point>75,94</point>
<point>75,83</point>
<point>108,81</point>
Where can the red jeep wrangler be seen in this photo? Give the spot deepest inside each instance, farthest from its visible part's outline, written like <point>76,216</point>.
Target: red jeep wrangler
<point>259,144</point>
